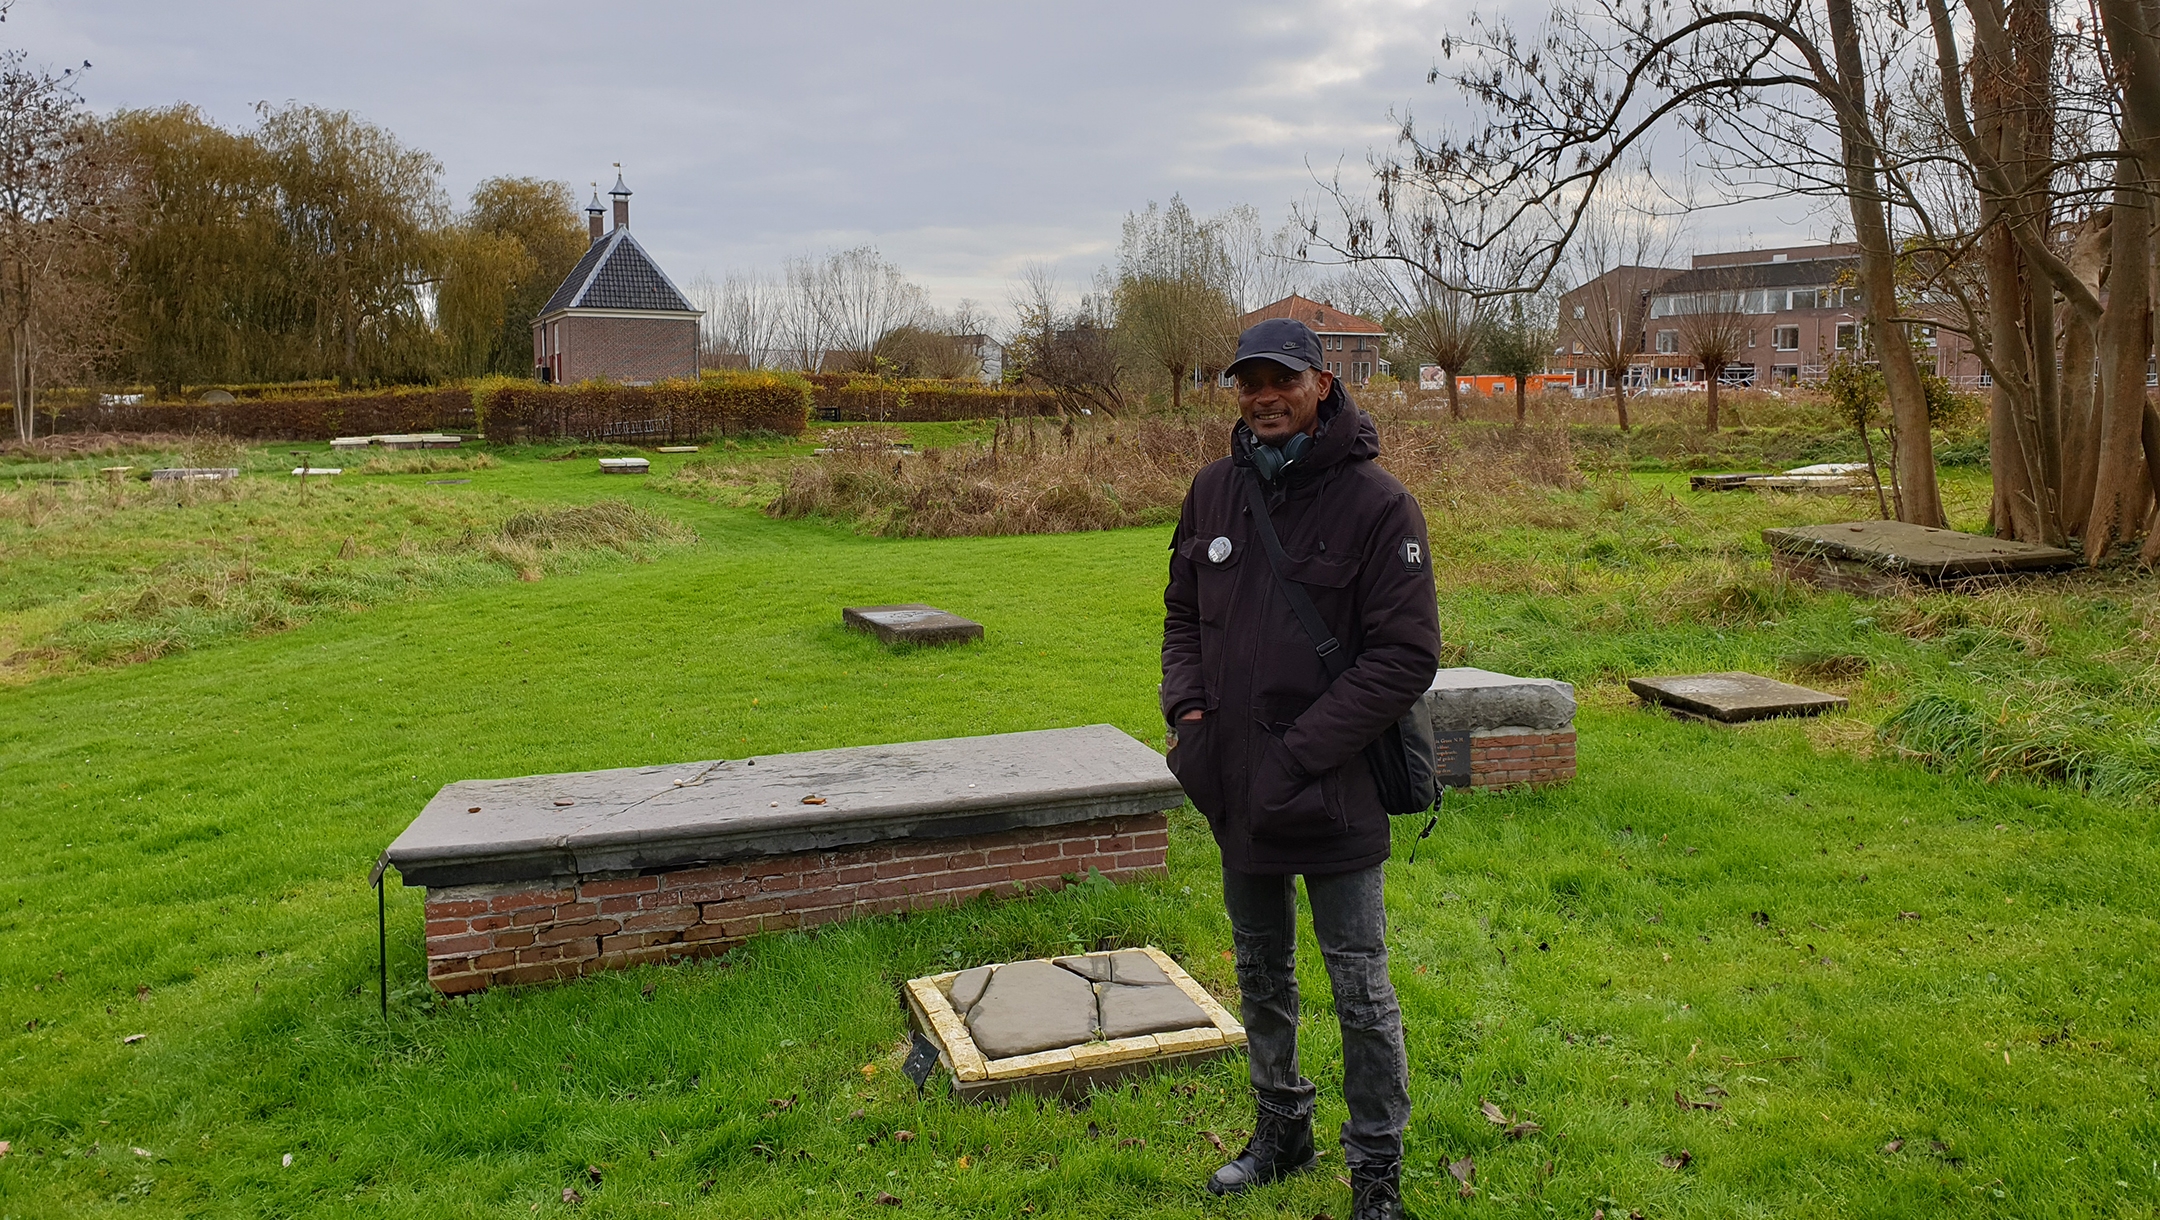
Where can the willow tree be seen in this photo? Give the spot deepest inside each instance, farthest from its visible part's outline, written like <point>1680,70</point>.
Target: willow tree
<point>359,213</point>
<point>1173,304</point>
<point>1713,325</point>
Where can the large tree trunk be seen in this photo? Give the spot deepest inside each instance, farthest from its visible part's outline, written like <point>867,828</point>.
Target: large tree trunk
<point>1619,394</point>
<point>2119,485</point>
<point>1454,396</point>
<point>1710,391</point>
<point>1522,401</point>
<point>1919,499</point>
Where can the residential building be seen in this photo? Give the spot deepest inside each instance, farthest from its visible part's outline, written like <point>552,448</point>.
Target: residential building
<point>1351,344</point>
<point>616,316</point>
<point>1794,307</point>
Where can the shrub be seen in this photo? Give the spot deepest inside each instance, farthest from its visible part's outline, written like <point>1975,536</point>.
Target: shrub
<point>720,403</point>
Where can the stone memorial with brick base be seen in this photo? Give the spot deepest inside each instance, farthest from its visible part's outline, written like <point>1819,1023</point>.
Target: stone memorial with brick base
<point>1065,1025</point>
<point>553,875</point>
<point>1518,730</point>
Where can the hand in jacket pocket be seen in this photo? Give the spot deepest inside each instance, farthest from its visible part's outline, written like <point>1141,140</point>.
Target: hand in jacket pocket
<point>1287,803</point>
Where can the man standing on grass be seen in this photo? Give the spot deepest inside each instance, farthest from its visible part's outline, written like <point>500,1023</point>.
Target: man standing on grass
<point>1270,749</point>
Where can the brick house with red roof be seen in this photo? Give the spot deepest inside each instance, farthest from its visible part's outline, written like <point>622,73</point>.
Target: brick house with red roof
<point>616,315</point>
<point>1351,343</point>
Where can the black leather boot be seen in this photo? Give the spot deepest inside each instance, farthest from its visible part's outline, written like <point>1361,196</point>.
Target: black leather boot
<point>1376,1192</point>
<point>1280,1146</point>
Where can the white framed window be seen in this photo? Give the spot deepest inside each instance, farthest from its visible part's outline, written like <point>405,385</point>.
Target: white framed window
<point>1578,313</point>
<point>1751,338</point>
<point>1986,378</point>
<point>1668,342</point>
<point>1785,338</point>
<point>1848,335</point>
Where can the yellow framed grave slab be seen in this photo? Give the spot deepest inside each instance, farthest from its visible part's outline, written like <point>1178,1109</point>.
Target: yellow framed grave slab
<point>988,1036</point>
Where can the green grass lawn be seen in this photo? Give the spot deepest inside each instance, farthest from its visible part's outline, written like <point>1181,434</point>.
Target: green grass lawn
<point>1894,990</point>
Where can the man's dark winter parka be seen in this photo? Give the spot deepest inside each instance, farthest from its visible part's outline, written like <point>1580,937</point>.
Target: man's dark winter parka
<point>1276,764</point>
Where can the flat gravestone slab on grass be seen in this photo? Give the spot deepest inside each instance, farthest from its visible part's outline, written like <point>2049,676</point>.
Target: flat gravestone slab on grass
<point>1067,1024</point>
<point>911,624</point>
<point>1734,697</point>
<point>194,474</point>
<point>625,465</point>
<point>578,824</point>
<point>1916,550</point>
<point>1724,482</point>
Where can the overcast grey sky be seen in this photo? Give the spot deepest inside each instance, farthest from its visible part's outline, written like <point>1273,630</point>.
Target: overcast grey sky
<point>961,139</point>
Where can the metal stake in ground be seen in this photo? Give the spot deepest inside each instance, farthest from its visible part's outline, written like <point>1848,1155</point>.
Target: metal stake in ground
<point>382,925</point>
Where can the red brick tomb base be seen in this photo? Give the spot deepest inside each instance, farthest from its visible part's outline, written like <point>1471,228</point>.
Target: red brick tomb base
<point>554,875</point>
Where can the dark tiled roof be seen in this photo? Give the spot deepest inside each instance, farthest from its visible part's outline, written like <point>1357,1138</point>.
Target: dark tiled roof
<point>1807,273</point>
<point>616,273</point>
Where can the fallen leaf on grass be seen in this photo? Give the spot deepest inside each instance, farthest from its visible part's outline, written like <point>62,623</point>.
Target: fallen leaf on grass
<point>903,1136</point>
<point>132,1039</point>
<point>592,1174</point>
<point>882,1197</point>
<point>1209,1136</point>
<point>140,1151</point>
<point>1516,1131</point>
<point>1132,1142</point>
<point>1463,1170</point>
<point>4,1146</point>
<point>286,1162</point>
<point>962,1163</point>
<point>1686,1104</point>
<point>782,1103</point>
<point>869,1070</point>
<point>1908,914</point>
<point>648,989</point>
<point>571,1197</point>
<point>1892,1147</point>
<point>1492,1114</point>
<point>1677,1160</point>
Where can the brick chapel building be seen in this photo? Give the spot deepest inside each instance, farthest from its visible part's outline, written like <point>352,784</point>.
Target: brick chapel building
<point>617,315</point>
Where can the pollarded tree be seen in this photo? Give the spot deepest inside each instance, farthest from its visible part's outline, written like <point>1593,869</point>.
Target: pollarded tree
<point>1713,325</point>
<point>1520,334</point>
<point>1174,311</point>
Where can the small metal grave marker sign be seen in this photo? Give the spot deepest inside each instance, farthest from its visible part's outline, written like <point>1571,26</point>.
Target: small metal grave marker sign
<point>921,1061</point>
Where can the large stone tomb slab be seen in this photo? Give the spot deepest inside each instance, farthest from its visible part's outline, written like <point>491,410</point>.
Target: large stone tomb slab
<point>1735,481</point>
<point>1519,730</point>
<point>1734,697</point>
<point>625,465</point>
<point>547,875</point>
<point>1879,557</point>
<point>1062,1026</point>
<point>913,623</point>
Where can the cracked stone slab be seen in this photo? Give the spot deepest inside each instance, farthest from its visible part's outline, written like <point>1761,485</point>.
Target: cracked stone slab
<point>1467,698</point>
<point>1917,550</point>
<point>1140,1010</point>
<point>1032,1006</point>
<point>913,623</point>
<point>1734,697</point>
<point>541,826</point>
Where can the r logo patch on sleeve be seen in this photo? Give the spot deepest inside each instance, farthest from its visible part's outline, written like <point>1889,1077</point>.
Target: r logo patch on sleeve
<point>1413,555</point>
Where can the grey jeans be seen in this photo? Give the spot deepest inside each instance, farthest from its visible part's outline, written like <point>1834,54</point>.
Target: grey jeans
<point>1350,922</point>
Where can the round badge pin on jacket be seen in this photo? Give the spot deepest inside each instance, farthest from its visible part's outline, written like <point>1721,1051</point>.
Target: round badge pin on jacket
<point>1218,550</point>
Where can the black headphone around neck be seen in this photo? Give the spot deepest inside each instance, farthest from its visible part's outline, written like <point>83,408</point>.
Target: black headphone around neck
<point>1272,460</point>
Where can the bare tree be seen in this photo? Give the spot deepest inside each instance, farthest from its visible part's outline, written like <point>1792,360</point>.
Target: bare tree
<point>859,298</point>
<point>1520,332</point>
<point>62,200</point>
<point>1069,350</point>
<point>1615,262</point>
<point>1260,267</point>
<point>1713,325</point>
<point>746,316</point>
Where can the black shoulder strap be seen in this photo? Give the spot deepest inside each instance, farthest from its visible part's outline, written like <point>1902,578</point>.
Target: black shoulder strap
<point>1332,653</point>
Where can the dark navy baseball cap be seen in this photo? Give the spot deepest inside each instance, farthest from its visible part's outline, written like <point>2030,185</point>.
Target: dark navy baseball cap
<point>1286,341</point>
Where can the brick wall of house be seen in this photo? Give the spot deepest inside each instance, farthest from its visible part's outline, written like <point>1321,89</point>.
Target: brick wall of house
<point>628,349</point>
<point>480,936</point>
<point>1503,757</point>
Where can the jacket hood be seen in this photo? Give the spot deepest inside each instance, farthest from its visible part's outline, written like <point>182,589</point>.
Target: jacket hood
<point>1345,434</point>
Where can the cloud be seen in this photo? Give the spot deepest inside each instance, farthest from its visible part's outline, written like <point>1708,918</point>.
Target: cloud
<point>960,139</point>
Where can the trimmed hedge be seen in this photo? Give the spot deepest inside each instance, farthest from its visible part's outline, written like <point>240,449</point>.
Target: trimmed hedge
<point>507,408</point>
<point>437,410</point>
<point>662,413</point>
<point>865,400</point>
